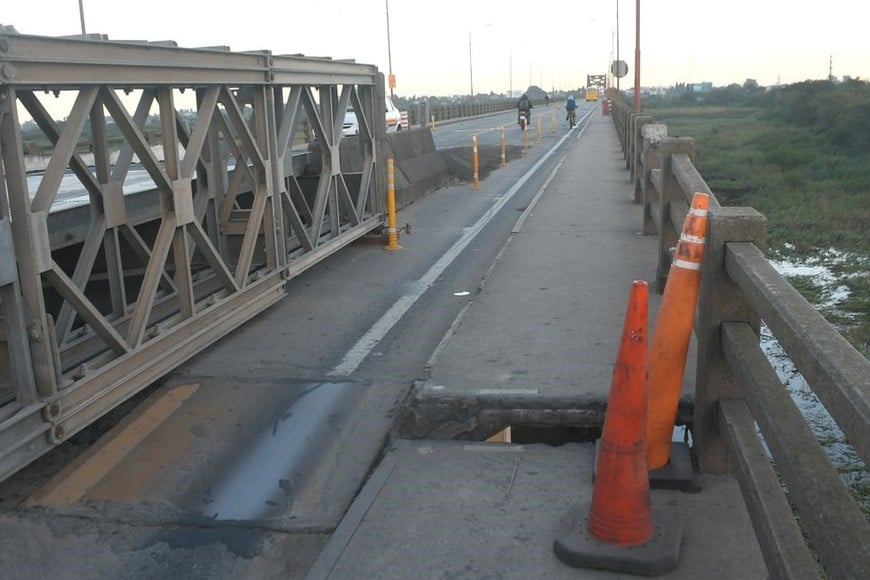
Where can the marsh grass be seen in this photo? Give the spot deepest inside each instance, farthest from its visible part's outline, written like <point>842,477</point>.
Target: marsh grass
<point>815,195</point>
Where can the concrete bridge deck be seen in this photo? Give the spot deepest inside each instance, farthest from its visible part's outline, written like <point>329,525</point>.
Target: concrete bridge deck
<point>536,346</point>
<point>540,339</point>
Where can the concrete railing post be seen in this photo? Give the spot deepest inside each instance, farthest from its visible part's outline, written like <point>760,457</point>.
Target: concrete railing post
<point>720,300</point>
<point>636,159</point>
<point>652,135</point>
<point>619,113</point>
<point>671,190</point>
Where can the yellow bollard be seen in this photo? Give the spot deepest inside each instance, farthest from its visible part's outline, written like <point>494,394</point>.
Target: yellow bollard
<point>501,140</point>
<point>538,131</point>
<point>393,238</point>
<point>432,125</point>
<point>525,141</point>
<point>553,123</point>
<point>475,184</point>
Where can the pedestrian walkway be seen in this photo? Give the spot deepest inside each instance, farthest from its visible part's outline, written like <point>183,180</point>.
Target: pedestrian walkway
<point>540,340</point>
<point>544,331</point>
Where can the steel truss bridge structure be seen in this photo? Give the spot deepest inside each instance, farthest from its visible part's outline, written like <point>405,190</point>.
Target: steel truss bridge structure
<point>100,300</point>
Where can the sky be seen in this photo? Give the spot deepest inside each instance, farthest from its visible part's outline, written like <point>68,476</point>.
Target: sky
<point>447,47</point>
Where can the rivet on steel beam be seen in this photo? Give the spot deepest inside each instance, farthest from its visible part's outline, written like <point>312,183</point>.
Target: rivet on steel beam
<point>34,333</point>
<point>53,410</point>
<point>8,71</point>
<point>59,432</point>
<point>81,372</point>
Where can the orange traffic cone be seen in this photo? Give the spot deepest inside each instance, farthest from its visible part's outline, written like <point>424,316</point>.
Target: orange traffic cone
<point>620,512</point>
<point>670,339</point>
<point>619,533</point>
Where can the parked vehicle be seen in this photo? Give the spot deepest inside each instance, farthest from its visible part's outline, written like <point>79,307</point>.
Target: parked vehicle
<point>392,117</point>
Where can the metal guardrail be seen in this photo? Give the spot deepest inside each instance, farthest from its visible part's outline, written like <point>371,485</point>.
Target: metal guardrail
<point>458,111</point>
<point>736,387</point>
<point>90,320</point>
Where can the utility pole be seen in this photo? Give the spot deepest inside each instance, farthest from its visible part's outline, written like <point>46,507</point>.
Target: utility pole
<point>637,57</point>
<point>617,48</point>
<point>389,52</point>
<point>82,15</point>
<point>470,70</point>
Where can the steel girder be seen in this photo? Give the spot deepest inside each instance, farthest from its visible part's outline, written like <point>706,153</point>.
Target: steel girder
<point>99,303</point>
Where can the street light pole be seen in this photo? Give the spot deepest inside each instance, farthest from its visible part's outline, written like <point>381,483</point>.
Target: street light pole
<point>637,57</point>
<point>470,68</point>
<point>617,48</point>
<point>389,51</point>
<point>82,15</point>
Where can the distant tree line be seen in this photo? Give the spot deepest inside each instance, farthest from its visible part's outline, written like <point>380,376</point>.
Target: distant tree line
<point>838,111</point>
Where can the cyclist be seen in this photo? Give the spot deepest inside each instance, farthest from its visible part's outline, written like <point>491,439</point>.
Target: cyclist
<point>571,108</point>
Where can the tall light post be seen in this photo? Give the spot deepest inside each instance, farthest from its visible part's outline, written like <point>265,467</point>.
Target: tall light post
<point>470,67</point>
<point>511,75</point>
<point>392,79</point>
<point>637,57</point>
<point>617,48</point>
<point>82,15</point>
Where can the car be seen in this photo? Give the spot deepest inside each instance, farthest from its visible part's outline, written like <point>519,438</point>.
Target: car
<point>392,116</point>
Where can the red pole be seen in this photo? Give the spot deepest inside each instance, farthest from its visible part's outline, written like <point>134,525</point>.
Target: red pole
<point>637,58</point>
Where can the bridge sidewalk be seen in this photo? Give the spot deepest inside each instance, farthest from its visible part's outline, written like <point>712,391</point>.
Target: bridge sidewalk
<point>541,337</point>
<point>544,331</point>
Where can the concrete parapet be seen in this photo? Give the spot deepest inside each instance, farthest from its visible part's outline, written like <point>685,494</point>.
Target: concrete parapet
<point>420,169</point>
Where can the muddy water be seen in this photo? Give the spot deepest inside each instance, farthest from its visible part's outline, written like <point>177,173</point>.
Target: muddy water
<point>844,457</point>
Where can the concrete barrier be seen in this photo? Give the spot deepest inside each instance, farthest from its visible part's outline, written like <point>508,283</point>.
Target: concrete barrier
<point>420,168</point>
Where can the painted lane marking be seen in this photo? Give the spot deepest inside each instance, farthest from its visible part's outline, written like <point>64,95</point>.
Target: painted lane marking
<point>71,484</point>
<point>364,346</point>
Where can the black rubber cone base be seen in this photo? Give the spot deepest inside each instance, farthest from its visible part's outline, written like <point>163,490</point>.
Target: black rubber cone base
<point>577,548</point>
<point>678,474</point>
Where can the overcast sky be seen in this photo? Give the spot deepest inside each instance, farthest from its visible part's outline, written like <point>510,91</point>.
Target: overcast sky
<point>552,44</point>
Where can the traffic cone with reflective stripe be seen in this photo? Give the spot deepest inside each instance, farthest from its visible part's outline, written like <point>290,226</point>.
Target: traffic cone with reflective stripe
<point>670,339</point>
<point>619,533</point>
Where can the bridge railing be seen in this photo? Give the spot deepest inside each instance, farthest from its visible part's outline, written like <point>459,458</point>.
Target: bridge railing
<point>91,317</point>
<point>457,111</point>
<point>736,388</point>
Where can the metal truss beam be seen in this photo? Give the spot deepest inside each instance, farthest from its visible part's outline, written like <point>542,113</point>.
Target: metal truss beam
<point>100,300</point>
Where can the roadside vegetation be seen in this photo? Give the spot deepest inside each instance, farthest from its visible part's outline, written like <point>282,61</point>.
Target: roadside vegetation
<point>800,155</point>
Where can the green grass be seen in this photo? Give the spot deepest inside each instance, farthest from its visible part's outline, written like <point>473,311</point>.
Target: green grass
<point>814,197</point>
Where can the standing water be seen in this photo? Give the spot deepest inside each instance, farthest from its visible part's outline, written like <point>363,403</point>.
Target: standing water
<point>843,456</point>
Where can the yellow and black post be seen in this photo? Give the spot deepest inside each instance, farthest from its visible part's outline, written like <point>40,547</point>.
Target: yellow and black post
<point>475,184</point>
<point>501,141</point>
<point>393,237</point>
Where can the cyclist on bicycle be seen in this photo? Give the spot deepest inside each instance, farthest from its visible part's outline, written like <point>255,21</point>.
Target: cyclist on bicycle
<point>570,106</point>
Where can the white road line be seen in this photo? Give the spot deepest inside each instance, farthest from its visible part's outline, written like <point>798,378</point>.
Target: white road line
<point>364,346</point>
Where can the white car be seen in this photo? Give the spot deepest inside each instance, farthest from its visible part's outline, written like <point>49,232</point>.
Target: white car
<point>392,116</point>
